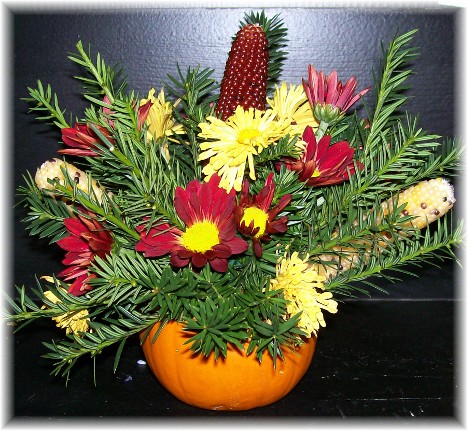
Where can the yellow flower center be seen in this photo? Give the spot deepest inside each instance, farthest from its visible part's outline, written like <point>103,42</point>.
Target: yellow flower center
<point>258,217</point>
<point>316,173</point>
<point>246,136</point>
<point>201,237</point>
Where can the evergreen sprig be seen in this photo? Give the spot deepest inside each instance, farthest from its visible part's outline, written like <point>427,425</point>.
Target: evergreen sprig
<point>45,213</point>
<point>45,105</point>
<point>100,79</point>
<point>337,223</point>
<point>390,90</point>
<point>437,244</point>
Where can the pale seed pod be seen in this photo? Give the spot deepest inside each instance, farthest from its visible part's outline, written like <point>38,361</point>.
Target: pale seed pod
<point>52,170</point>
<point>427,201</point>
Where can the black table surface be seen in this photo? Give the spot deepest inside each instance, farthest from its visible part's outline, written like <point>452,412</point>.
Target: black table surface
<point>378,357</point>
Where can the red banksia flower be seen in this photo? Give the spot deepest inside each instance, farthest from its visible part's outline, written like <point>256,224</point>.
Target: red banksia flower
<point>246,73</point>
<point>210,235</point>
<point>87,239</point>
<point>82,140</point>
<point>328,97</point>
<point>322,164</point>
<point>256,219</point>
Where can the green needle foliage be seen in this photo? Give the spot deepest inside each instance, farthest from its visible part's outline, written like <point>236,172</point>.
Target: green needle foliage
<point>140,173</point>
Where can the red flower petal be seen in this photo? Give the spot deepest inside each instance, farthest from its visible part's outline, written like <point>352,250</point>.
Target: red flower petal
<point>78,152</point>
<point>81,258</point>
<point>178,262</point>
<point>199,260</point>
<point>278,226</point>
<point>157,245</point>
<point>75,226</point>
<point>143,112</point>
<point>332,89</point>
<point>184,210</point>
<point>72,272</point>
<point>238,245</point>
<point>219,265</point>
<point>222,251</point>
<point>322,148</point>
<point>71,243</point>
<point>79,286</point>
<point>257,248</point>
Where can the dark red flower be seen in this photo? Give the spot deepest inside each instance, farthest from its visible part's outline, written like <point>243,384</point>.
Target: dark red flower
<point>87,240</point>
<point>143,112</point>
<point>323,164</point>
<point>328,97</point>
<point>83,140</point>
<point>256,219</point>
<point>210,235</point>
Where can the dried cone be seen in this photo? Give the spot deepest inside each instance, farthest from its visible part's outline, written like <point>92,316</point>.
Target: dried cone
<point>245,76</point>
<point>52,169</point>
<point>426,201</point>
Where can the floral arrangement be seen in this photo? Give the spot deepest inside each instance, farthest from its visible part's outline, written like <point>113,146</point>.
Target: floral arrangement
<point>244,209</point>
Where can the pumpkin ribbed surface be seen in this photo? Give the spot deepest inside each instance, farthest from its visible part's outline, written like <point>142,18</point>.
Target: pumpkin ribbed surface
<point>238,382</point>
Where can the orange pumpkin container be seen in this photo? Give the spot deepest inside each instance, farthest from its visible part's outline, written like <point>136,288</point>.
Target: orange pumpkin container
<point>238,382</point>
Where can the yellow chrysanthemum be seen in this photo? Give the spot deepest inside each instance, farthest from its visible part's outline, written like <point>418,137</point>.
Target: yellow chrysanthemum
<point>303,288</point>
<point>160,121</point>
<point>293,106</point>
<point>71,322</point>
<point>233,143</point>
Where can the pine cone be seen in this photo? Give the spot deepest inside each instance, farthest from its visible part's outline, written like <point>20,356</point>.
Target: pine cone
<point>246,74</point>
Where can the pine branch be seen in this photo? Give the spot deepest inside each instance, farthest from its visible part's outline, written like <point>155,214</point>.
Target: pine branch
<point>46,213</point>
<point>46,103</point>
<point>390,90</point>
<point>408,156</point>
<point>65,354</point>
<point>101,78</point>
<point>285,147</point>
<point>195,90</point>
<point>436,243</point>
<point>106,210</point>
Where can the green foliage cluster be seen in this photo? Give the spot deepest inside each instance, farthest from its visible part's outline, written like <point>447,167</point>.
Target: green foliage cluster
<point>131,293</point>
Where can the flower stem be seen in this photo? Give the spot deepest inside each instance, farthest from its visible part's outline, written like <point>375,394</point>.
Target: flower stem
<point>109,217</point>
<point>322,128</point>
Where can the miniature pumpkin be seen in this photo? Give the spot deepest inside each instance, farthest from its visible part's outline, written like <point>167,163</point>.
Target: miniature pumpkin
<point>237,382</point>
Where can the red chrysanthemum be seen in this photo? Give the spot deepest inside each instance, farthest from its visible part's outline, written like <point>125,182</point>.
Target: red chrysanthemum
<point>328,97</point>
<point>323,164</point>
<point>256,219</point>
<point>82,140</point>
<point>210,235</point>
<point>87,239</point>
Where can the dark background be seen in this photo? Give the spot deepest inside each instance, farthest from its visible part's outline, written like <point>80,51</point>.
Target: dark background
<point>392,355</point>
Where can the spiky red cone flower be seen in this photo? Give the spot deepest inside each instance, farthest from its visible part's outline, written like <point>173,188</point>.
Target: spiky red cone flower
<point>246,73</point>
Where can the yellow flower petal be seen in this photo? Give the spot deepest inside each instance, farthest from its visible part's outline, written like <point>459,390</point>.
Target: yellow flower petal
<point>233,143</point>
<point>72,322</point>
<point>160,120</point>
<point>292,105</point>
<point>303,288</point>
